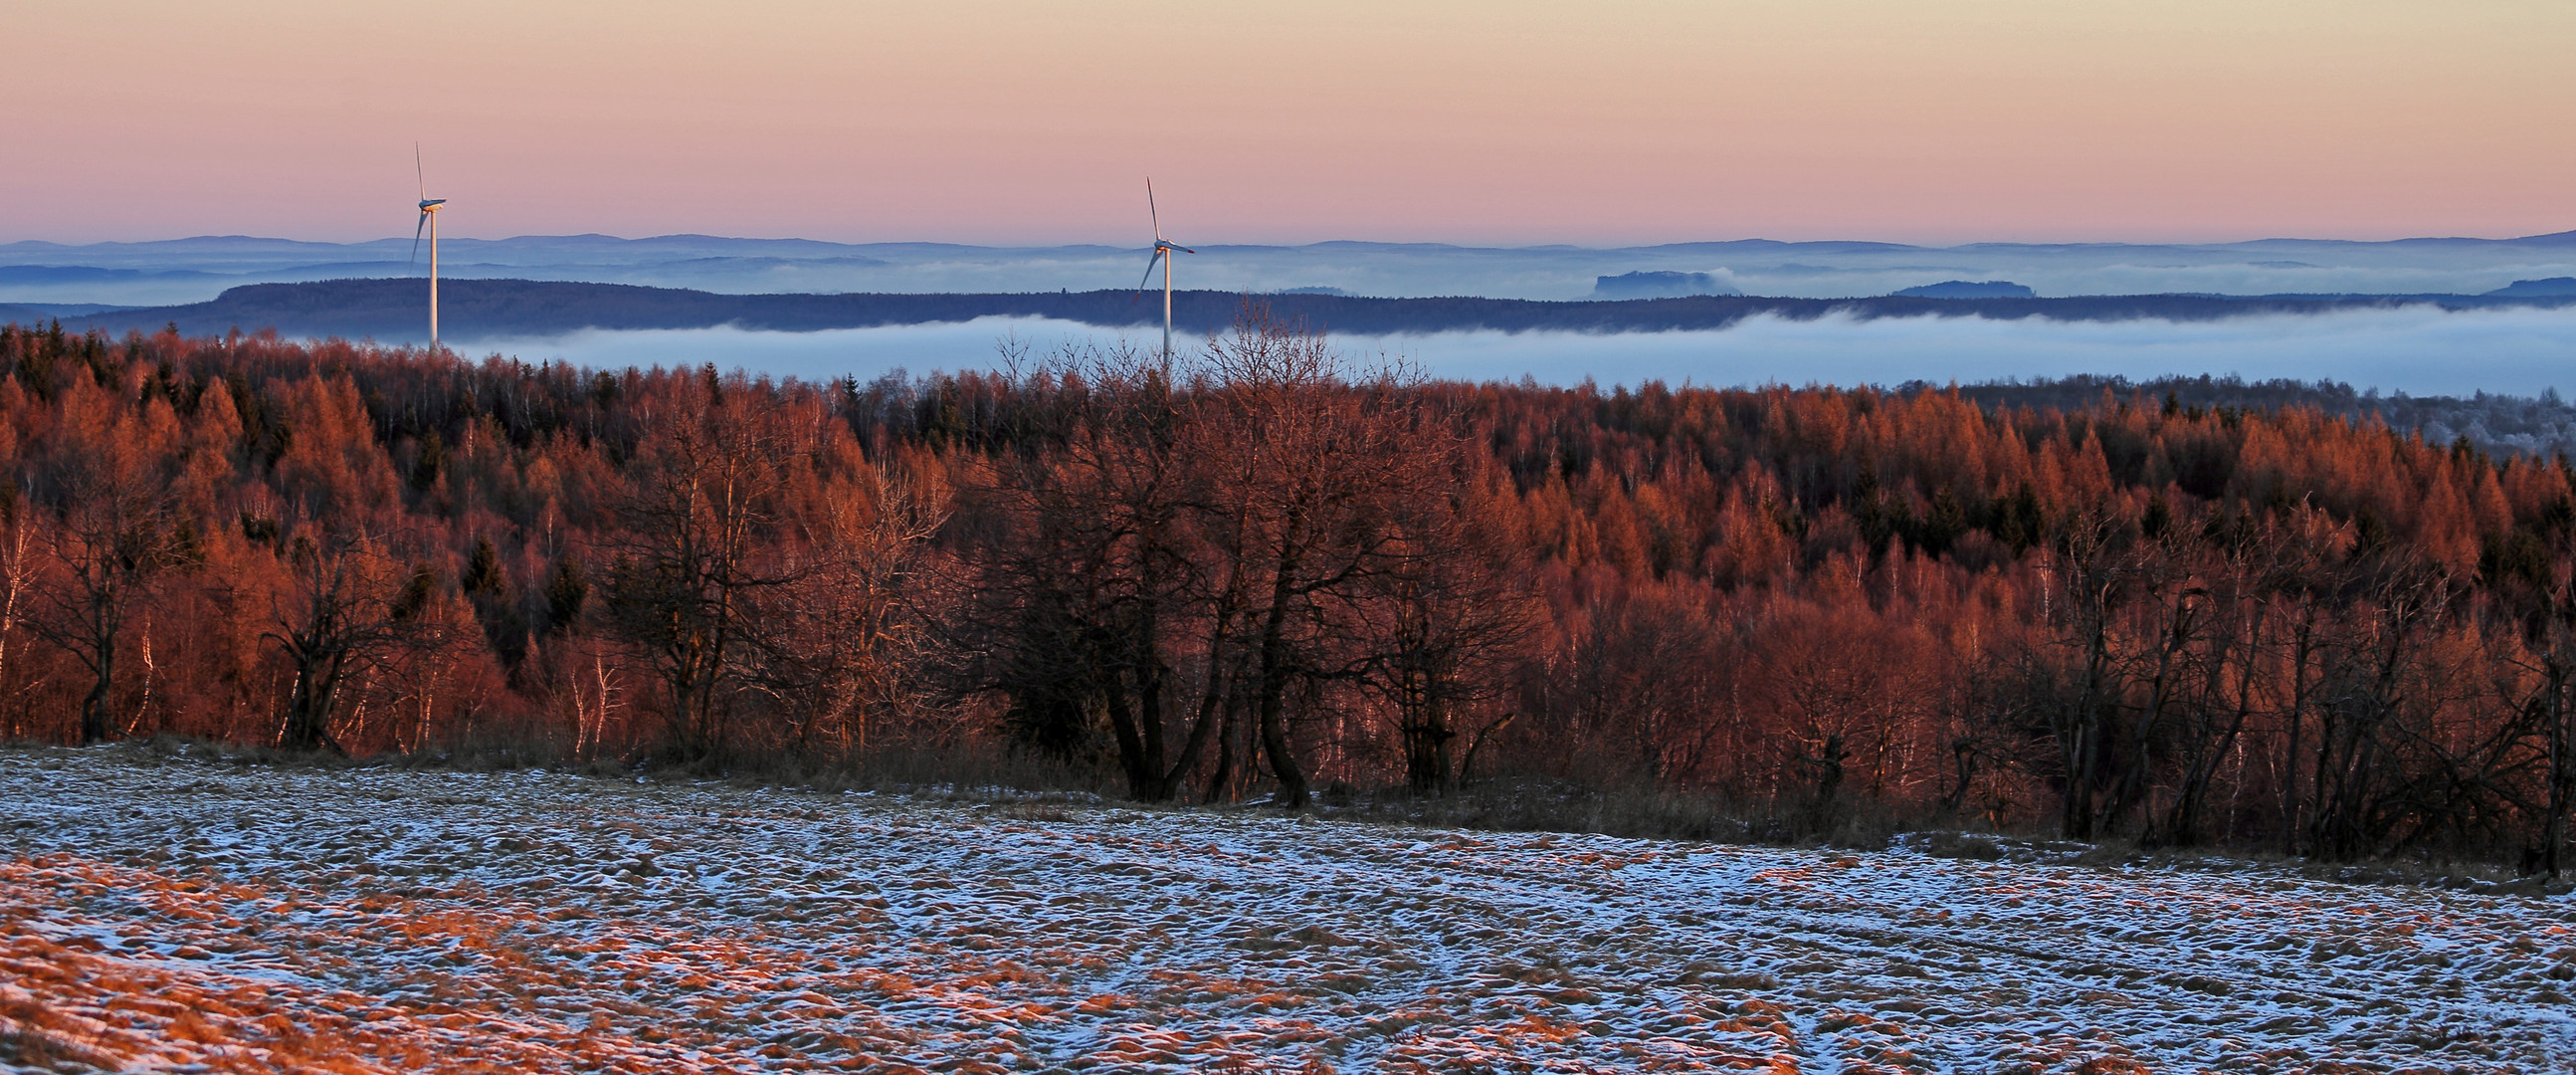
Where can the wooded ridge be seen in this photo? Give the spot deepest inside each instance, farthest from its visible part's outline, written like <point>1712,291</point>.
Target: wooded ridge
<point>471,309</point>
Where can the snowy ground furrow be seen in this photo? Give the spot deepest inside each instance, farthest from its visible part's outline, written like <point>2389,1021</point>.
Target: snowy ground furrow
<point>161,914</point>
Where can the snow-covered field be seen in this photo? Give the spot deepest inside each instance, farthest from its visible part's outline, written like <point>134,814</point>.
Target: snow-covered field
<point>158,916</point>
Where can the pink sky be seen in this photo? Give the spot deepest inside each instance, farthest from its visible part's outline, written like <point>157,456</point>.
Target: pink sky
<point>1487,123</point>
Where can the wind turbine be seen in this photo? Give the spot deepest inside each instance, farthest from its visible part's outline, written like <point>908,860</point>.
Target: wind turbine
<point>428,220</point>
<point>1163,250</point>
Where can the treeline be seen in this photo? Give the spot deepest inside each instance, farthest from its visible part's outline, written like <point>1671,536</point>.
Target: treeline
<point>1267,572</point>
<point>2541,426</point>
<point>487,309</point>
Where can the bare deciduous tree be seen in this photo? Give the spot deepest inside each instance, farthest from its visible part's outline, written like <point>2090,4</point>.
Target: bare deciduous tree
<point>345,605</point>
<point>695,556</point>
<point>1308,472</point>
<point>111,542</point>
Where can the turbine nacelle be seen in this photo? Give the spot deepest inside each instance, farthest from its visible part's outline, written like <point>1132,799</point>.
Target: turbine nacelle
<point>1162,255</point>
<point>426,208</point>
<point>428,205</point>
<point>1162,248</point>
<point>428,219</point>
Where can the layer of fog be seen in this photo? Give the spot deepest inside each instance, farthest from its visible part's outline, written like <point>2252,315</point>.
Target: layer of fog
<point>192,270</point>
<point>2416,350</point>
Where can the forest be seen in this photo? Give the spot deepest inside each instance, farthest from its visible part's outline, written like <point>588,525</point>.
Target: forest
<point>1266,571</point>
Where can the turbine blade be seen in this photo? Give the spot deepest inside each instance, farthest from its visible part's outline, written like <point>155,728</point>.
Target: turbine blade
<point>417,173</point>
<point>1182,249</point>
<point>1149,272</point>
<point>415,236</point>
<point>1150,211</point>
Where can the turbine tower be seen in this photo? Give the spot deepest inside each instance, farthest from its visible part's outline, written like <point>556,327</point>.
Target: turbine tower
<point>1163,251</point>
<point>428,220</point>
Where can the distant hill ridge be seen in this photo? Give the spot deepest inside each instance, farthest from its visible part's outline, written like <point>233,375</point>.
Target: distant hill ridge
<point>394,309</point>
<point>2553,287</point>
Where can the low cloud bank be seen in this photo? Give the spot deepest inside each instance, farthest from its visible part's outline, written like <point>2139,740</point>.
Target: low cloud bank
<point>194,270</point>
<point>2417,350</point>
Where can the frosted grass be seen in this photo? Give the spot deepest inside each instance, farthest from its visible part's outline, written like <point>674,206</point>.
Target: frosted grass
<point>191,912</point>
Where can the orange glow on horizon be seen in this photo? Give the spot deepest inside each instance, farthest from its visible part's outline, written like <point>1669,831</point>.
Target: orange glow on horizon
<point>1025,122</point>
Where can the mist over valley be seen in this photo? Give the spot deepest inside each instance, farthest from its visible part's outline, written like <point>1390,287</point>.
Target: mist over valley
<point>192,270</point>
